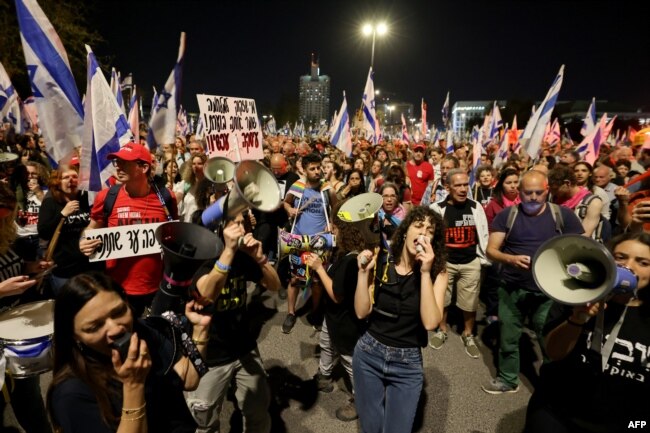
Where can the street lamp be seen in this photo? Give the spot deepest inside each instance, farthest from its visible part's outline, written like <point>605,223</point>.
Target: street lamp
<point>374,30</point>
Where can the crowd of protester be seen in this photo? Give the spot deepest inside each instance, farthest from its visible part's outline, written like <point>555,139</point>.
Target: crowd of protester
<point>448,235</point>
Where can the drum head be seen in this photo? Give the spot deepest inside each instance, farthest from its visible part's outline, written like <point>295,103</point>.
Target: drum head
<point>27,321</point>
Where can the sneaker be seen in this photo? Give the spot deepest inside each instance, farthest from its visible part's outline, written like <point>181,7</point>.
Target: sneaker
<point>470,346</point>
<point>438,339</point>
<point>347,412</point>
<point>289,323</point>
<point>496,386</point>
<point>324,383</point>
<point>282,293</point>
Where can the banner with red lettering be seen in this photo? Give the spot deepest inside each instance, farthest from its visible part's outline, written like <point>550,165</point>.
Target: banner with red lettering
<point>231,127</point>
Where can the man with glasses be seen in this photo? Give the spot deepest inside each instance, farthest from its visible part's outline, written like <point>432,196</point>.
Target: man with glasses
<point>513,241</point>
<point>420,172</point>
<point>137,201</point>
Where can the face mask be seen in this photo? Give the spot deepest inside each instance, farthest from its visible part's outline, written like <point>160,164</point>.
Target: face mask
<point>531,208</point>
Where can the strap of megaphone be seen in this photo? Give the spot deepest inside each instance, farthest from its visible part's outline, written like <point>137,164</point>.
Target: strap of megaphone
<point>605,350</point>
<point>188,345</point>
<point>295,219</point>
<point>162,201</point>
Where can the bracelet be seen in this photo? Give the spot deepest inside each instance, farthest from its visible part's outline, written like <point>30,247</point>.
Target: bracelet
<point>571,322</point>
<point>222,267</point>
<point>199,342</point>
<point>264,260</point>
<point>216,268</point>
<point>130,411</point>
<point>142,415</point>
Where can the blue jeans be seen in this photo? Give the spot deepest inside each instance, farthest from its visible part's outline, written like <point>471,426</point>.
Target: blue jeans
<point>387,385</point>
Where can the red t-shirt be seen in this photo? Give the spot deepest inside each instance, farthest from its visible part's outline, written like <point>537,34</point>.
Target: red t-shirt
<point>420,176</point>
<point>139,275</point>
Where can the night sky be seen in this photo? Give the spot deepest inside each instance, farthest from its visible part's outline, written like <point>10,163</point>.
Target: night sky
<point>478,50</point>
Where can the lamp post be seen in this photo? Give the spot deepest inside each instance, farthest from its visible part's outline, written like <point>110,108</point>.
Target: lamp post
<point>374,30</point>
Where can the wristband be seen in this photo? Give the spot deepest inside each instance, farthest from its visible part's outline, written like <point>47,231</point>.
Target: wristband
<point>264,260</point>
<point>200,342</point>
<point>571,322</point>
<point>131,411</point>
<point>221,267</point>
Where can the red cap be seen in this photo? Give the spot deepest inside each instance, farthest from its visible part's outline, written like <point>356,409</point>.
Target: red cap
<point>417,146</point>
<point>132,152</point>
<point>74,160</point>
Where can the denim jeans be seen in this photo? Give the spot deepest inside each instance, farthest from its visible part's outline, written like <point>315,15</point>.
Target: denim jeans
<point>515,304</point>
<point>387,384</point>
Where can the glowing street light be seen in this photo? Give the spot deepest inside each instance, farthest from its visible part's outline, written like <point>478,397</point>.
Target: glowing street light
<point>374,30</point>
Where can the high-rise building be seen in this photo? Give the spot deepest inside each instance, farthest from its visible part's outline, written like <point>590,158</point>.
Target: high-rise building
<point>314,95</point>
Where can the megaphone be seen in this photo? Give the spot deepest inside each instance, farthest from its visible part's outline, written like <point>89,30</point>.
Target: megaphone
<point>576,270</point>
<point>185,247</point>
<point>219,170</point>
<point>289,243</point>
<point>255,187</point>
<point>361,207</point>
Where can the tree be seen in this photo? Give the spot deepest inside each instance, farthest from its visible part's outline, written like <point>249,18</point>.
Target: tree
<point>70,20</point>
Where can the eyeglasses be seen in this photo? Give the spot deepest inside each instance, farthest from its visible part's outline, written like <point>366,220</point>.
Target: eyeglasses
<point>117,161</point>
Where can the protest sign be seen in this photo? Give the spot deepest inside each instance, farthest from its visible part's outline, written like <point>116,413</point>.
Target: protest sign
<point>232,127</point>
<point>124,241</point>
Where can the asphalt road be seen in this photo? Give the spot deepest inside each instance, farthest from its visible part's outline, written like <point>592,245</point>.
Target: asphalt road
<point>452,400</point>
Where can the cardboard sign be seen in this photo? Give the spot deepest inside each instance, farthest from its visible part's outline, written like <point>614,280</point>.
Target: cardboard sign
<point>232,127</point>
<point>125,241</point>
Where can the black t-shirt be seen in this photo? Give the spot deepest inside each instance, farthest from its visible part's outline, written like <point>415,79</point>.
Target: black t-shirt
<point>342,323</point>
<point>11,265</point>
<point>460,233</point>
<point>75,407</point>
<point>230,330</point>
<point>576,386</point>
<point>395,319</point>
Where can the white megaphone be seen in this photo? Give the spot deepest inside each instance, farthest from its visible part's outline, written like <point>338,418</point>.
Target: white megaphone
<point>255,188</point>
<point>576,270</point>
<point>361,207</point>
<point>219,170</point>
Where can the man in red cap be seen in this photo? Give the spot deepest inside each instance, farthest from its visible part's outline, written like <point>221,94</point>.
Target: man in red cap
<point>135,200</point>
<point>420,172</point>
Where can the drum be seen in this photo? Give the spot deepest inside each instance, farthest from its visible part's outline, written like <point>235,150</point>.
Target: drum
<point>26,338</point>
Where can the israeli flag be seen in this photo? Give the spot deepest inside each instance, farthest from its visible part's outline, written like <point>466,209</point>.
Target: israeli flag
<point>8,95</point>
<point>57,98</point>
<point>134,115</point>
<point>200,128</point>
<point>162,126</point>
<point>341,137</point>
<point>105,129</point>
<point>116,88</point>
<point>589,122</point>
<point>533,134</point>
<point>450,142</point>
<point>370,123</point>
<point>495,124</point>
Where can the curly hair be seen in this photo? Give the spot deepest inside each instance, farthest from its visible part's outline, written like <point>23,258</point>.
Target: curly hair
<point>188,172</point>
<point>422,213</point>
<point>350,236</point>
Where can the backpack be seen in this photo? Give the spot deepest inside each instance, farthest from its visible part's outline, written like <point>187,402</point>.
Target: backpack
<point>111,196</point>
<point>555,212</point>
<point>603,231</point>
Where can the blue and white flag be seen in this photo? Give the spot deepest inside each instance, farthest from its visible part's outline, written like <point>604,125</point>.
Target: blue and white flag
<point>589,122</point>
<point>531,139</point>
<point>57,99</point>
<point>200,128</point>
<point>496,123</point>
<point>449,150</point>
<point>116,88</point>
<point>502,153</point>
<point>8,95</point>
<point>445,112</point>
<point>134,115</point>
<point>370,123</point>
<point>270,126</point>
<point>105,129</point>
<point>162,126</point>
<point>341,137</point>
<point>181,122</point>
<point>299,129</point>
